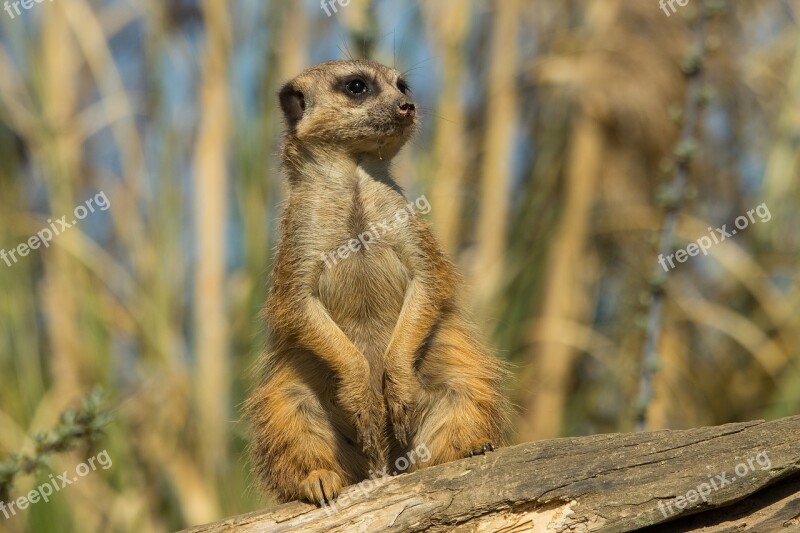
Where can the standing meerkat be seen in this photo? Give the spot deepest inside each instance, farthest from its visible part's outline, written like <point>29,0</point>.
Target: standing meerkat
<point>372,356</point>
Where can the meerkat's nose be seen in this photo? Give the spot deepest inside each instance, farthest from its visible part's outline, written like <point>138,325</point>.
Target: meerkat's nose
<point>407,109</point>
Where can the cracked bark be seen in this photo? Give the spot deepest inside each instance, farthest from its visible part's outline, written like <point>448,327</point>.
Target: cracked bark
<point>619,482</point>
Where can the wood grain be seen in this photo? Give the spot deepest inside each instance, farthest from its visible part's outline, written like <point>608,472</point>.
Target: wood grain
<point>612,482</point>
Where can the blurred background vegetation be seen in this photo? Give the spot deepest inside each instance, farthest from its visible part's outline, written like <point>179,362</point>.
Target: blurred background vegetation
<point>547,141</point>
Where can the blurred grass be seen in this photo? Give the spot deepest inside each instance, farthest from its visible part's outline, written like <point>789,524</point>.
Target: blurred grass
<point>547,133</point>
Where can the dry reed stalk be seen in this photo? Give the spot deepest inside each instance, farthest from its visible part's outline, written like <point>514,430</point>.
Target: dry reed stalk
<point>358,18</point>
<point>496,168</point>
<point>544,399</point>
<point>660,404</point>
<point>92,39</point>
<point>669,408</point>
<point>783,164</point>
<point>294,49</point>
<point>448,26</point>
<point>57,155</point>
<point>212,374</point>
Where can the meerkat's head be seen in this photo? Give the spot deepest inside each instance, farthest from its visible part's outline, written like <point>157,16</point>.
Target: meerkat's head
<point>359,107</point>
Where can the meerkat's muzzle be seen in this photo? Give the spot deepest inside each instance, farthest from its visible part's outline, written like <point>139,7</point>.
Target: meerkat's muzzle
<point>406,111</point>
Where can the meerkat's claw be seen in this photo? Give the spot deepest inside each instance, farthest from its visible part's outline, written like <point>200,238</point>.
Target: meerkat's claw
<point>480,449</point>
<point>321,486</point>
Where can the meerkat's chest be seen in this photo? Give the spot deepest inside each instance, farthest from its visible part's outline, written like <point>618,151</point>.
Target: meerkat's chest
<point>361,226</point>
<point>364,277</point>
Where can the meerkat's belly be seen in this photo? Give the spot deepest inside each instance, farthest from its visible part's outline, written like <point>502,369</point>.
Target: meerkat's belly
<point>364,294</point>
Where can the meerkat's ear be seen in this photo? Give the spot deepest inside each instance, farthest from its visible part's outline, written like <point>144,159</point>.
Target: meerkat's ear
<point>293,104</point>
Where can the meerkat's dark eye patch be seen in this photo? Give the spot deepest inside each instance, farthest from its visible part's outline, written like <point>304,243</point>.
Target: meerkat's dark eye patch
<point>293,104</point>
<point>403,86</point>
<point>357,86</point>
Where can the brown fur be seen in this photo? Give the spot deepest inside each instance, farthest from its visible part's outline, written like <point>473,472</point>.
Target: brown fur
<point>374,356</point>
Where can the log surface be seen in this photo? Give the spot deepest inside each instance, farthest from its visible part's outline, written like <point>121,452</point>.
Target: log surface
<point>748,474</point>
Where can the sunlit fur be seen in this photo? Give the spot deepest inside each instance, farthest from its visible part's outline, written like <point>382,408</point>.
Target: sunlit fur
<point>373,356</point>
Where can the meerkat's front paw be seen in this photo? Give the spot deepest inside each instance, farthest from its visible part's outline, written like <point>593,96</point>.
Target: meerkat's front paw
<point>321,487</point>
<point>400,410</point>
<point>369,419</point>
<point>479,447</point>
<point>400,413</point>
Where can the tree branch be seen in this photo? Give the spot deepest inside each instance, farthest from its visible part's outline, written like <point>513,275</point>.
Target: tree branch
<point>613,482</point>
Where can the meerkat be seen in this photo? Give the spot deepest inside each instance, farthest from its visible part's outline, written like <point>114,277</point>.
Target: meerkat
<point>373,356</point>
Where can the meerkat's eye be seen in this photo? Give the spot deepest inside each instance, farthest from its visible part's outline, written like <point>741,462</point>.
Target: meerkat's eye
<point>403,86</point>
<point>357,87</point>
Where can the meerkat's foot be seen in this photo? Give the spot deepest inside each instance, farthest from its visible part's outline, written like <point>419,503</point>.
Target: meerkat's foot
<point>321,486</point>
<point>479,447</point>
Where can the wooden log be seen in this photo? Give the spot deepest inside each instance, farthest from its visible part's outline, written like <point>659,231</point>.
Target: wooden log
<point>706,479</point>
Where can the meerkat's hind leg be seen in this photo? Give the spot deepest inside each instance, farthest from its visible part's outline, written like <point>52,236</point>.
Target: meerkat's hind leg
<point>455,427</point>
<point>298,445</point>
<point>462,411</point>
